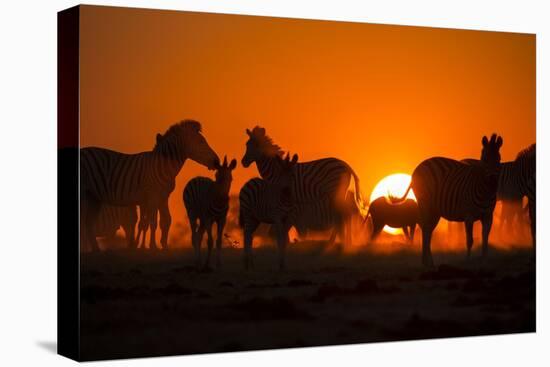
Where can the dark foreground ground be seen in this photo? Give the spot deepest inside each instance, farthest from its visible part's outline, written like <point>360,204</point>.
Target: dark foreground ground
<point>137,304</point>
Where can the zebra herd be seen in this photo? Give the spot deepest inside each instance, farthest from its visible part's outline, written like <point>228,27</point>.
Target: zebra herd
<point>309,196</point>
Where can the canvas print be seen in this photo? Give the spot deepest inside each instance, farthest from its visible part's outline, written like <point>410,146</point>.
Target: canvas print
<point>233,183</point>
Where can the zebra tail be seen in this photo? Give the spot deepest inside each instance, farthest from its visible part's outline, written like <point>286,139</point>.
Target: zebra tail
<point>358,197</point>
<point>395,200</point>
<point>366,216</point>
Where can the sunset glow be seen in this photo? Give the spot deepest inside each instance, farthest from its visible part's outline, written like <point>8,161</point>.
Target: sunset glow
<point>378,97</point>
<point>392,185</point>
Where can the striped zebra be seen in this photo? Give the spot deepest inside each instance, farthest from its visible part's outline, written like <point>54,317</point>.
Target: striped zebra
<point>207,201</point>
<point>457,191</point>
<point>109,220</point>
<point>145,179</point>
<point>263,201</point>
<point>517,180</point>
<point>526,166</point>
<point>320,180</point>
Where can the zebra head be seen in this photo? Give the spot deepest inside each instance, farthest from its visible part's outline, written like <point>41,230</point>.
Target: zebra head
<point>259,146</point>
<point>224,173</point>
<point>490,153</point>
<point>185,140</point>
<point>285,181</point>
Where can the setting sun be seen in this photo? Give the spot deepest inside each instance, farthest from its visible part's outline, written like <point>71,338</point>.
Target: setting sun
<point>394,185</point>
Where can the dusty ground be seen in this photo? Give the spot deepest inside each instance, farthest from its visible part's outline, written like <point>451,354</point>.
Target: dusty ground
<point>137,304</point>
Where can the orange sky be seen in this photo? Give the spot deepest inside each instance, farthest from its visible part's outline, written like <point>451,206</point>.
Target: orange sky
<point>382,98</point>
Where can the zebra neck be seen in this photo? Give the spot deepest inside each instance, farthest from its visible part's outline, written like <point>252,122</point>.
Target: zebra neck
<point>166,168</point>
<point>267,167</point>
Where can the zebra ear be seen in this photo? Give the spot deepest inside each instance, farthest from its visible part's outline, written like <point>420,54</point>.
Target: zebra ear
<point>159,138</point>
<point>499,141</point>
<point>484,141</point>
<point>294,159</point>
<point>248,132</point>
<point>233,164</point>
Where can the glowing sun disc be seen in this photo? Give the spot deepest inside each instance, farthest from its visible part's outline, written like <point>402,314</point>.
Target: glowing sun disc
<point>394,185</point>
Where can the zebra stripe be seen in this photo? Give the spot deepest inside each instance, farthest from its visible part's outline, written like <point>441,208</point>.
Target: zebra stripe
<point>509,182</point>
<point>145,179</point>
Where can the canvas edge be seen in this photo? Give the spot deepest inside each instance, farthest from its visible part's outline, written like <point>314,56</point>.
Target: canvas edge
<point>68,250</point>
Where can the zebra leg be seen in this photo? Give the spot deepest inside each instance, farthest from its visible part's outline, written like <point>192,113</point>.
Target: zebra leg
<point>533,219</point>
<point>411,238</point>
<point>486,223</point>
<point>469,227</point>
<point>406,233</point>
<point>92,214</point>
<point>348,229</point>
<point>282,240</point>
<point>332,238</point>
<point>427,229</point>
<point>377,227</point>
<point>165,222</point>
<point>220,226</point>
<point>195,240</point>
<point>129,227</point>
<point>153,226</point>
<point>210,242</point>
<point>249,229</point>
<point>200,234</point>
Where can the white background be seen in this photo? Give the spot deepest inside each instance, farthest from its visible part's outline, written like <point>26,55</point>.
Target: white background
<point>28,183</point>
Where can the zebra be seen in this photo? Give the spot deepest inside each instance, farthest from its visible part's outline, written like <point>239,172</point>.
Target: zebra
<point>109,220</point>
<point>403,215</point>
<point>517,180</point>
<point>457,191</point>
<point>207,201</point>
<point>263,201</point>
<point>526,166</point>
<point>323,179</point>
<point>145,179</point>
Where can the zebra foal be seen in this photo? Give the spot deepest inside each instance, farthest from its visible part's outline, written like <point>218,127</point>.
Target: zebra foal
<point>262,201</point>
<point>207,201</point>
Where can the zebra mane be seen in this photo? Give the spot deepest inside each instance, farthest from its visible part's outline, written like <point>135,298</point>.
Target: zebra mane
<point>527,153</point>
<point>179,128</point>
<point>265,143</point>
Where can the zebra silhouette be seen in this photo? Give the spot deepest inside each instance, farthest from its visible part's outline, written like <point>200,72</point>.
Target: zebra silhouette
<point>516,180</point>
<point>323,179</point>
<point>206,202</point>
<point>457,191</point>
<point>263,201</point>
<point>109,220</point>
<point>145,179</point>
<point>526,165</point>
<point>402,215</point>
